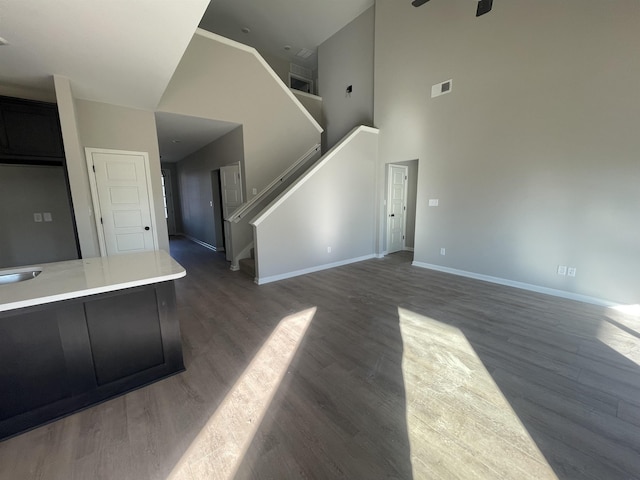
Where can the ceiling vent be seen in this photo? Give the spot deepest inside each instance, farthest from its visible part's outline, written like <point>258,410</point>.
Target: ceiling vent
<point>304,53</point>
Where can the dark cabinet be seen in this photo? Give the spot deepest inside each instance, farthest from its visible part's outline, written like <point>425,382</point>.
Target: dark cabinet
<point>30,130</point>
<point>61,357</point>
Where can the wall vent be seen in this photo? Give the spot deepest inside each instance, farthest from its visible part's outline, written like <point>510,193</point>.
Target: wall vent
<point>441,88</point>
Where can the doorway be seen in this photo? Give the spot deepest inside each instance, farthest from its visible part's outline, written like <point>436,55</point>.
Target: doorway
<point>216,205</point>
<point>402,180</point>
<point>397,177</point>
<point>123,205</point>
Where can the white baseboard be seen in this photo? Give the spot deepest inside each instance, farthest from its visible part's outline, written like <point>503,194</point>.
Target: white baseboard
<point>520,285</point>
<point>304,271</point>
<point>408,249</point>
<point>204,244</point>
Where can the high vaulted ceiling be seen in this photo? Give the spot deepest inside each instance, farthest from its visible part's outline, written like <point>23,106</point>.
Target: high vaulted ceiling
<point>273,24</point>
<point>124,52</point>
<point>115,51</point>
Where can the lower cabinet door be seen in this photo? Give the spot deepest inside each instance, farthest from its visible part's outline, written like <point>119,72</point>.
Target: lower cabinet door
<point>125,335</point>
<point>33,364</point>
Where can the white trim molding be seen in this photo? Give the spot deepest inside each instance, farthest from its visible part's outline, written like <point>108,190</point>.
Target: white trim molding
<point>521,285</point>
<point>309,173</point>
<point>304,271</point>
<point>204,244</point>
<point>254,52</point>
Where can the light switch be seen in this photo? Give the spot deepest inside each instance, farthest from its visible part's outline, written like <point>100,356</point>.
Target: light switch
<point>47,217</point>
<point>37,217</point>
<point>255,191</point>
<point>433,202</point>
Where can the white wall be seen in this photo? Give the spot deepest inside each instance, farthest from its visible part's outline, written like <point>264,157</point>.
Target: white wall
<point>534,153</point>
<point>347,59</point>
<point>99,125</point>
<point>223,80</point>
<point>76,170</point>
<point>333,205</point>
<point>102,125</point>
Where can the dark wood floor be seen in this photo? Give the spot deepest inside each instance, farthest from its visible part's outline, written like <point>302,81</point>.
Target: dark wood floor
<point>369,371</point>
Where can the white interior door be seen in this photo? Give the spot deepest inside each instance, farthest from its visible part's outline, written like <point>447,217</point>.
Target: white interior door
<point>121,187</point>
<point>231,184</point>
<point>396,207</point>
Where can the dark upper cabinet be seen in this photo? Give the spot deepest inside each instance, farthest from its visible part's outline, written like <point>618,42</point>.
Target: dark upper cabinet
<point>29,131</point>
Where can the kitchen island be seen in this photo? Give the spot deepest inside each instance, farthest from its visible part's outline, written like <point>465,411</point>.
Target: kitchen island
<point>83,331</point>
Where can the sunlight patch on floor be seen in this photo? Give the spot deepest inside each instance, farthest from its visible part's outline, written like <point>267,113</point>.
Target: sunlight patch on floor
<point>459,422</point>
<point>218,450</point>
<point>621,331</point>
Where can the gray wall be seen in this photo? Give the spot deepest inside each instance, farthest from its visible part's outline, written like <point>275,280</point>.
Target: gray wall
<point>222,80</point>
<point>175,188</point>
<point>279,65</point>
<point>312,103</point>
<point>534,154</point>
<point>347,59</point>
<point>332,207</point>
<point>102,125</point>
<point>25,190</point>
<point>194,174</point>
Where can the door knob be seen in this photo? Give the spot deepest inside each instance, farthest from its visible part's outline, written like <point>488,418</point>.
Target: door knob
<point>392,215</point>
<point>146,228</point>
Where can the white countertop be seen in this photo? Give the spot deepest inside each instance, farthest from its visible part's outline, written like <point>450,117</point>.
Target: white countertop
<point>80,278</point>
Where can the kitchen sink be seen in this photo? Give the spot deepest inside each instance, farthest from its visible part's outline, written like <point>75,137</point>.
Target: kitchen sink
<point>19,275</point>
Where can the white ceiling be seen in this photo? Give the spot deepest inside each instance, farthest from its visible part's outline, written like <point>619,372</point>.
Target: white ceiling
<point>124,52</point>
<point>276,23</point>
<point>179,135</point>
<point>115,51</point>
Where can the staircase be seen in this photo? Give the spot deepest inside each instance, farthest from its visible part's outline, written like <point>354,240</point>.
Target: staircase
<point>306,207</point>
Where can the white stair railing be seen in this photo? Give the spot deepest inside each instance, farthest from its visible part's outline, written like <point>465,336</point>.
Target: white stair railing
<point>239,233</point>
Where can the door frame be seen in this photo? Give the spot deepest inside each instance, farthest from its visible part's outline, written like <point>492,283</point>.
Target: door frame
<point>168,194</point>
<point>218,220</point>
<point>388,203</point>
<point>97,211</point>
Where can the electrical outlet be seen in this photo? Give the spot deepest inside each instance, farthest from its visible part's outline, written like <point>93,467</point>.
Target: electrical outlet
<point>562,269</point>
<point>443,251</point>
<point>571,271</point>
<point>254,191</point>
<point>433,202</point>
<point>328,249</point>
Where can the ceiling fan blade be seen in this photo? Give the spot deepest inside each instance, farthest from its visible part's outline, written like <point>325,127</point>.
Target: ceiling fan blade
<point>484,6</point>
<point>417,3</point>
